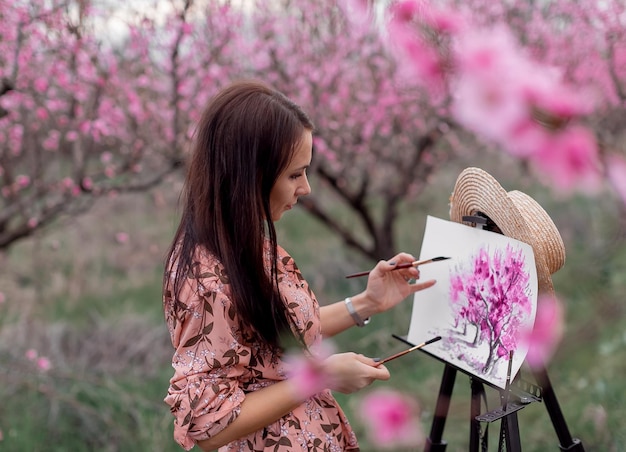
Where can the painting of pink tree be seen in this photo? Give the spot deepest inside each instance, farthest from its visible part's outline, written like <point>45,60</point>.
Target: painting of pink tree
<point>485,297</point>
<point>490,299</point>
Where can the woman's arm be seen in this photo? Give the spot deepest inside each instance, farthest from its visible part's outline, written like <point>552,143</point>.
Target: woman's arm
<point>336,318</point>
<point>385,289</point>
<point>259,409</point>
<point>345,373</point>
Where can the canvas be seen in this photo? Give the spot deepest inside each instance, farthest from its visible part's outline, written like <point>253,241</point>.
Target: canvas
<point>485,295</point>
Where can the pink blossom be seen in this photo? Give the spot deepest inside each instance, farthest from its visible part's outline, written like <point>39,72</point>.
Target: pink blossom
<point>358,11</point>
<point>16,134</point>
<point>418,56</point>
<point>121,237</point>
<point>31,354</point>
<point>41,85</point>
<point>569,157</point>
<point>187,28</point>
<point>51,143</point>
<point>447,21</point>
<point>405,11</point>
<point>419,60</point>
<point>87,183</point>
<point>543,338</point>
<point>547,93</point>
<point>22,180</point>
<point>488,97</point>
<point>106,157</point>
<point>42,113</point>
<point>43,364</point>
<point>67,183</point>
<point>392,419</point>
<point>85,126</point>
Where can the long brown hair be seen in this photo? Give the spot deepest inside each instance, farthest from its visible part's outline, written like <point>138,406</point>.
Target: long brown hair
<point>245,138</point>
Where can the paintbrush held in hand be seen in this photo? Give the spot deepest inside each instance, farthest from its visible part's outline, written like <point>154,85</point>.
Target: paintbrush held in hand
<point>406,265</point>
<point>408,350</point>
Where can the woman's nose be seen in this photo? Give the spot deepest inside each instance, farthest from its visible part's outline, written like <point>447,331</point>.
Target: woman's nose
<point>305,189</point>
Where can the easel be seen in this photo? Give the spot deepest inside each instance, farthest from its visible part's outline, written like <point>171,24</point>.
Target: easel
<point>515,397</point>
<point>520,394</point>
<point>509,427</point>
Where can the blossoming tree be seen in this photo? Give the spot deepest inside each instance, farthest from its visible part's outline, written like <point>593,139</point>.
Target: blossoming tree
<point>393,96</point>
<point>82,117</point>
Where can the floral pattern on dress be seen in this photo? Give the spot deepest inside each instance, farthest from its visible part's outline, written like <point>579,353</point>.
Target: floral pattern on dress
<point>217,361</point>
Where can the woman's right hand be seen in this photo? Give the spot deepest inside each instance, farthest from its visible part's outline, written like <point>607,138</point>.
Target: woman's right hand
<point>350,372</point>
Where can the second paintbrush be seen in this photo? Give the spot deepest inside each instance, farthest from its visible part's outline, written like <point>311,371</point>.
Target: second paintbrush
<point>406,265</point>
<point>408,350</point>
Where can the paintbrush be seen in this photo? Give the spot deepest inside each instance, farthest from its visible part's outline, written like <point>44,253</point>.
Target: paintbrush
<point>399,266</point>
<point>408,350</point>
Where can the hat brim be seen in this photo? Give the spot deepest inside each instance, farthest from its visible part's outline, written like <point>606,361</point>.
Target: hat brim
<point>476,191</point>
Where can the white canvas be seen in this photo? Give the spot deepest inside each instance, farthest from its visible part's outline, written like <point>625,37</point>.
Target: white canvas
<point>485,294</point>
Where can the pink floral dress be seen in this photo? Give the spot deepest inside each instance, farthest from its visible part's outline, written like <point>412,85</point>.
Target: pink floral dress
<point>216,363</point>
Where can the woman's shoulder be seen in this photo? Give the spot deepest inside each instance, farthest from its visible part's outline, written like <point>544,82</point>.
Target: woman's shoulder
<point>206,265</point>
<point>203,274</point>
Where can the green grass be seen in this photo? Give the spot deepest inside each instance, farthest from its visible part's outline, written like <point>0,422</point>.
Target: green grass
<point>59,412</point>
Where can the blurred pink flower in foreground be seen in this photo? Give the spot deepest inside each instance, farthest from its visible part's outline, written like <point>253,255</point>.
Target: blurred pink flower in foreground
<point>569,158</point>
<point>547,332</point>
<point>392,419</point>
<point>499,92</point>
<point>306,371</point>
<point>31,354</point>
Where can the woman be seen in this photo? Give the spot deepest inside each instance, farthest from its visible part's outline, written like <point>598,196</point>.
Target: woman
<point>233,298</point>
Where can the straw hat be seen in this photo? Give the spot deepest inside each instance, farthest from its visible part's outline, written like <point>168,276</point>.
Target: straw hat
<point>516,214</point>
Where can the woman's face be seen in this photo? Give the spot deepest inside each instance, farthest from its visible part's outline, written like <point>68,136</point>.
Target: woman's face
<point>292,182</point>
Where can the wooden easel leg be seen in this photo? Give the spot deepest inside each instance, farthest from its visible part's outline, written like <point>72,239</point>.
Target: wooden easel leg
<point>434,442</point>
<point>566,442</point>
<point>478,391</point>
<point>509,434</point>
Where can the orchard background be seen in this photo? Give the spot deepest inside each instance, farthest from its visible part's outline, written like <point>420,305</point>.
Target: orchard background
<point>97,105</point>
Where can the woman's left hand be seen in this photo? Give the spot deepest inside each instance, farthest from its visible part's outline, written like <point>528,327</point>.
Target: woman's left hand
<point>386,287</point>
